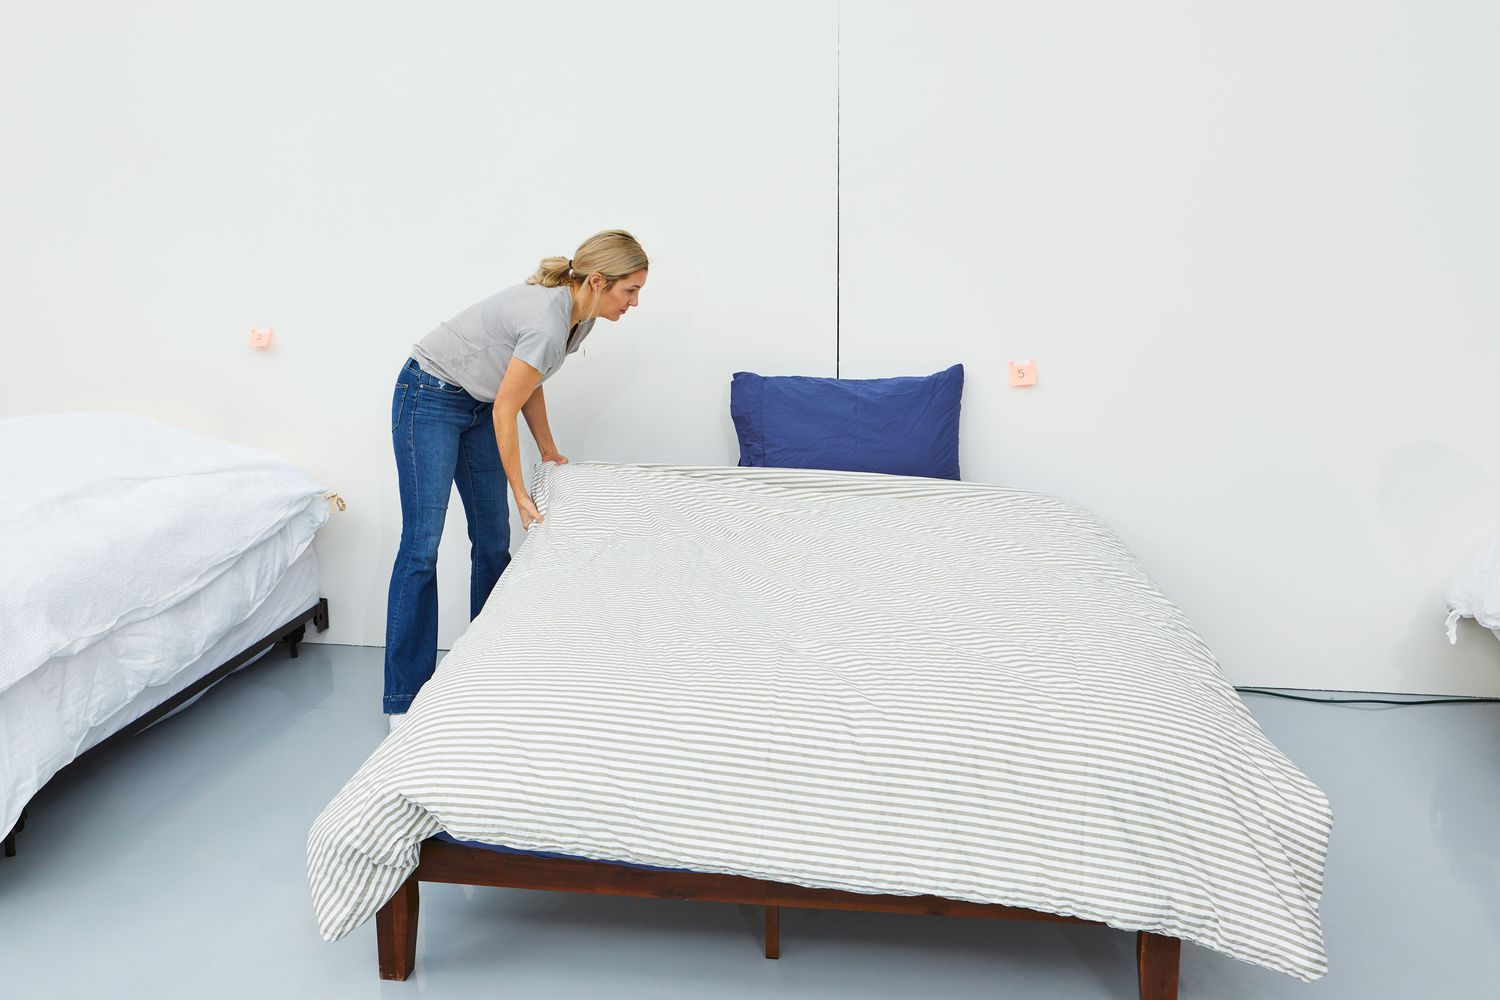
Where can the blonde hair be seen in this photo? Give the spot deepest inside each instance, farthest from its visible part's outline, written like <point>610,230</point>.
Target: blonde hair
<point>613,253</point>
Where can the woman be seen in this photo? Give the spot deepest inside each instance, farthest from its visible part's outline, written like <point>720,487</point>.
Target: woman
<point>453,420</point>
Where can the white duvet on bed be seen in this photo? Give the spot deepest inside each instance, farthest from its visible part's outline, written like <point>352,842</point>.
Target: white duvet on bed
<point>870,683</point>
<point>75,701</point>
<point>108,519</point>
<point>1475,592</point>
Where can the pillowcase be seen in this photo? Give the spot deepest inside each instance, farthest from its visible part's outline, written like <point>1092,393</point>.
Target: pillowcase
<point>900,426</point>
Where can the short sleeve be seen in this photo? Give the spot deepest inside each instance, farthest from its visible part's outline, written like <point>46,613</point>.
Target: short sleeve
<point>539,349</point>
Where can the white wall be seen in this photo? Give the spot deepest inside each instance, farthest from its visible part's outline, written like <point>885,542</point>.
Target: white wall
<point>351,174</point>
<point>1251,246</point>
<point>1253,250</point>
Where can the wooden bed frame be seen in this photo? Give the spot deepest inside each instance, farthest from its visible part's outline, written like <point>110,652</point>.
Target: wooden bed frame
<point>292,632</point>
<point>441,861</point>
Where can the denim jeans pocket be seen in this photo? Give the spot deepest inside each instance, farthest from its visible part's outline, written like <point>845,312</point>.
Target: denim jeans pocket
<point>398,403</point>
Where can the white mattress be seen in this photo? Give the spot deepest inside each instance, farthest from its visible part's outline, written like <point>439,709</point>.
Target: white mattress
<point>72,703</point>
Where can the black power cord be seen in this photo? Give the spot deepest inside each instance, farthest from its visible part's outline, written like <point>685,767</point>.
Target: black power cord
<point>1366,701</point>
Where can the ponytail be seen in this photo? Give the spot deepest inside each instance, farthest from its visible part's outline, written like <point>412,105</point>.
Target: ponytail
<point>613,253</point>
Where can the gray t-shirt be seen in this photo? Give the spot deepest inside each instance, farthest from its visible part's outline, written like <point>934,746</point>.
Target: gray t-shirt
<point>523,321</point>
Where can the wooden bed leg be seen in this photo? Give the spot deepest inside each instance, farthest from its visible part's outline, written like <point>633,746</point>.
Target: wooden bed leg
<point>1157,959</point>
<point>294,637</point>
<point>396,931</point>
<point>773,932</point>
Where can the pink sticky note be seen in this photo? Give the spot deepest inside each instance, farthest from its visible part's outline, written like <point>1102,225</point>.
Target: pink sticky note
<point>1023,373</point>
<point>260,338</point>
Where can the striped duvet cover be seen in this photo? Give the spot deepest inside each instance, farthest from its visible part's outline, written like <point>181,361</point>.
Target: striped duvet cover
<point>838,680</point>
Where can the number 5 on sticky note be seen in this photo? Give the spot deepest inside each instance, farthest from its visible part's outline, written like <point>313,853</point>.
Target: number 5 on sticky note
<point>1023,373</point>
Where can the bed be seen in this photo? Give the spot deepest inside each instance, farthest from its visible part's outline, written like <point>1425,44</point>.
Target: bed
<point>1475,591</point>
<point>798,688</point>
<point>144,564</point>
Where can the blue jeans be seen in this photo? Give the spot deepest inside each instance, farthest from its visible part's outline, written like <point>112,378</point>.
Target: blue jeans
<point>442,436</point>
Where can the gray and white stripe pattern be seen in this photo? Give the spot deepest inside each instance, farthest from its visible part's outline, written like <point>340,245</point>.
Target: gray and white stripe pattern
<point>871,683</point>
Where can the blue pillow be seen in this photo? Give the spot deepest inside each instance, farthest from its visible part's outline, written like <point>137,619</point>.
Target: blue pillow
<point>900,426</point>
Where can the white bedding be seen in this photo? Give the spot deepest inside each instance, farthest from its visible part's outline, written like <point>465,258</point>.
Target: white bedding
<point>298,590</point>
<point>1475,592</point>
<point>134,552</point>
<point>73,702</point>
<point>869,683</point>
<point>108,519</point>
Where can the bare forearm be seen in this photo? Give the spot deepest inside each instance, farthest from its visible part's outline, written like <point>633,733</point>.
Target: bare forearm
<point>517,389</point>
<point>535,412</point>
<point>508,437</point>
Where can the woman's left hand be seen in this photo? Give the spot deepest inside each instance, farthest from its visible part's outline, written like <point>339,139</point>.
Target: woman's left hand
<point>555,459</point>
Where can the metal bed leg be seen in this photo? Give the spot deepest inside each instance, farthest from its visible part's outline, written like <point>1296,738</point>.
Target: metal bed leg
<point>10,838</point>
<point>294,637</point>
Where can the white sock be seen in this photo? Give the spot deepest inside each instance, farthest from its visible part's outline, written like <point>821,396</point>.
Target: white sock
<point>396,719</point>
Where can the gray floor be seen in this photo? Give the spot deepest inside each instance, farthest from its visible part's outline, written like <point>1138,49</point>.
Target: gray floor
<point>173,866</point>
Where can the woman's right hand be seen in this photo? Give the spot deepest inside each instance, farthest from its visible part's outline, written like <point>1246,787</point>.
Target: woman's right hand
<point>529,514</point>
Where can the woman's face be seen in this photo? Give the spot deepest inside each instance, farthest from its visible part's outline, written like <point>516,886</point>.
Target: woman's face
<point>613,302</point>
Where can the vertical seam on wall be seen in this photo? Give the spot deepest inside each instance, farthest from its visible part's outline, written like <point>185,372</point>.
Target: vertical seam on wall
<point>838,193</point>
